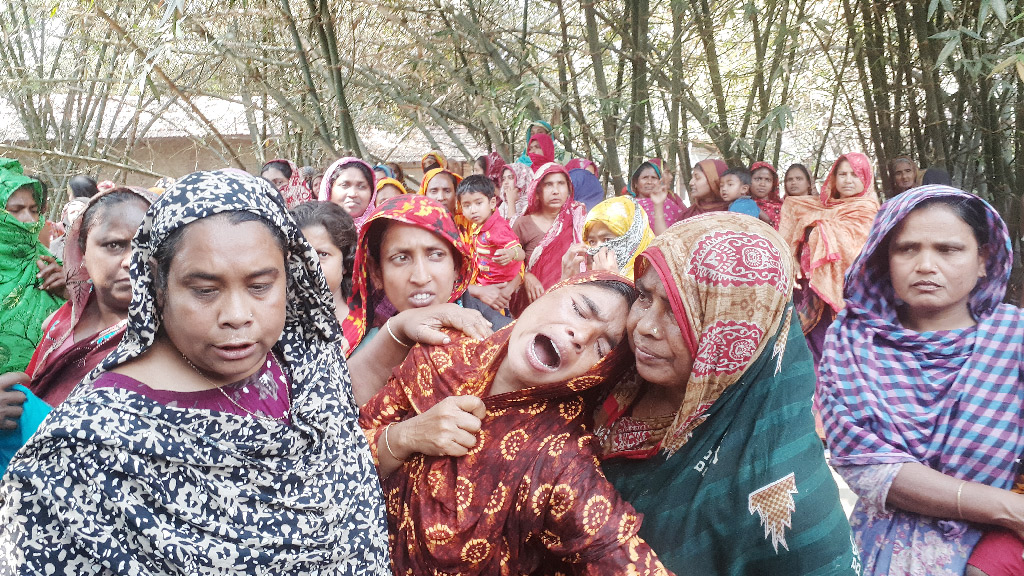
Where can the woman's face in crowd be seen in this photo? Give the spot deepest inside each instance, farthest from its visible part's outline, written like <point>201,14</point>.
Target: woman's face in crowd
<point>662,357</point>
<point>597,233</point>
<point>535,148</point>
<point>554,191</point>
<point>275,177</point>
<point>479,167</point>
<point>761,182</point>
<point>564,333</point>
<point>332,261</point>
<point>22,205</point>
<point>903,176</point>
<point>387,192</point>
<point>442,188</point>
<point>647,182</point>
<point>224,305</point>
<point>934,263</point>
<point>699,185</point>
<point>847,183</point>
<point>508,181</point>
<point>380,174</point>
<point>417,267</point>
<point>108,248</point>
<point>351,191</point>
<point>797,183</point>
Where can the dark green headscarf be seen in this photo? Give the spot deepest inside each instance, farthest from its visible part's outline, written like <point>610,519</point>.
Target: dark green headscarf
<point>738,485</point>
<point>23,306</point>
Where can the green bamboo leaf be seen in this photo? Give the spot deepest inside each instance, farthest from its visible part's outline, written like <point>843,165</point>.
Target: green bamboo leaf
<point>999,9</point>
<point>947,50</point>
<point>1003,65</point>
<point>932,7</point>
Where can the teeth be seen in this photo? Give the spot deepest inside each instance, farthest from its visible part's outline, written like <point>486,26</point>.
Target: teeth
<point>422,297</point>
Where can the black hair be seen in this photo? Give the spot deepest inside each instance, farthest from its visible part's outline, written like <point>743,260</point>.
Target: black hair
<point>476,184</point>
<point>165,253</point>
<point>482,161</point>
<point>618,286</point>
<point>800,167</point>
<point>340,227</point>
<point>109,200</point>
<point>83,186</point>
<point>363,168</point>
<point>969,209</point>
<point>742,173</point>
<point>281,167</point>
<point>936,176</point>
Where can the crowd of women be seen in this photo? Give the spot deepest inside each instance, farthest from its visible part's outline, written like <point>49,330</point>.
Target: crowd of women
<point>305,373</point>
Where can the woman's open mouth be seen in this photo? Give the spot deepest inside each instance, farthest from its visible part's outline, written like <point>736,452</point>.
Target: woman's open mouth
<point>545,353</point>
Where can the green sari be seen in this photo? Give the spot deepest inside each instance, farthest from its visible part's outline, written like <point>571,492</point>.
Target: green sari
<point>23,306</point>
<point>738,483</point>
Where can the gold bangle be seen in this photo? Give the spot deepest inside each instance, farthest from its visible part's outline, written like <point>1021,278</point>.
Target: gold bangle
<point>387,325</point>
<point>388,444</point>
<point>959,491</point>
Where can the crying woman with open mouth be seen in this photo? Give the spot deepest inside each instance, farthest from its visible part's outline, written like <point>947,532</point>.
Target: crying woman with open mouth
<point>483,450</point>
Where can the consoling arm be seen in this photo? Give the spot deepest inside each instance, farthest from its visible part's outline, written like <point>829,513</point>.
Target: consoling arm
<point>371,366</point>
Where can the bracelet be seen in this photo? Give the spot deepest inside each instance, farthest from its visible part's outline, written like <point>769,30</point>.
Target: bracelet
<point>387,325</point>
<point>959,491</point>
<point>388,444</point>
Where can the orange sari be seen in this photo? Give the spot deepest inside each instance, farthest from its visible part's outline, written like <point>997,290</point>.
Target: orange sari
<point>826,235</point>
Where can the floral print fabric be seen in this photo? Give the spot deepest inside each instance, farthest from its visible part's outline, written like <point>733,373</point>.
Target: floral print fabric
<point>116,483</point>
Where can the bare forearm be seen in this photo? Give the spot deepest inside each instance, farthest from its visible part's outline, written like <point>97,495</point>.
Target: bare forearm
<point>919,489</point>
<point>658,219</point>
<point>371,366</point>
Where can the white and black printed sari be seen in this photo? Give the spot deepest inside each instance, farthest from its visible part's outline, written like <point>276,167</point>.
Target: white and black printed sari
<point>116,483</point>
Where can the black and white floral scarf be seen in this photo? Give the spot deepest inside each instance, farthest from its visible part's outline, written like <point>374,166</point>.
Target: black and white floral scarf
<point>115,483</point>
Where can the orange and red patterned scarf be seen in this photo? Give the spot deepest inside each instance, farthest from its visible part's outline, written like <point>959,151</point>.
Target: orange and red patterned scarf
<point>408,209</point>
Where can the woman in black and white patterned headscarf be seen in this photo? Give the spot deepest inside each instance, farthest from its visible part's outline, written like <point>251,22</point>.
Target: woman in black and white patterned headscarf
<point>221,435</point>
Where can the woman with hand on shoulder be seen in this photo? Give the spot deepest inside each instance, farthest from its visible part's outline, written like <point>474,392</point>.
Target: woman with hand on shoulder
<point>921,387</point>
<point>409,256</point>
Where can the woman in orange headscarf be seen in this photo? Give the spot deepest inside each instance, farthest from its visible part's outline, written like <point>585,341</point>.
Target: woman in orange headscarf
<point>826,234</point>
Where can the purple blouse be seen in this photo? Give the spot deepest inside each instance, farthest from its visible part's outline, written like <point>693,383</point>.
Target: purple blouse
<point>264,394</point>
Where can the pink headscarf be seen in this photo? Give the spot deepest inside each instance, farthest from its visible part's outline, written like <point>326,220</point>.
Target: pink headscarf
<point>332,174</point>
<point>583,163</point>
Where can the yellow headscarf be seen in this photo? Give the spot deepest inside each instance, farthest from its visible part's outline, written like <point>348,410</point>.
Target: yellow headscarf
<point>628,221</point>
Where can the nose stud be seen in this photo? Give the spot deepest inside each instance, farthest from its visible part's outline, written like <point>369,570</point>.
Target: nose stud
<point>654,331</point>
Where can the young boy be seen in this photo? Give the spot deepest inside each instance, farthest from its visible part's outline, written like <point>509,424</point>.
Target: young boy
<point>498,253</point>
<point>735,189</point>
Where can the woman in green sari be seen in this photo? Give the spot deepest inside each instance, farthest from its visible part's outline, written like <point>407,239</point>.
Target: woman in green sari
<point>28,272</point>
<point>712,437</point>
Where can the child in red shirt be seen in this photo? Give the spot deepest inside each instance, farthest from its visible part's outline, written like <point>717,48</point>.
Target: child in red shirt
<point>499,256</point>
